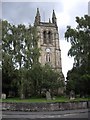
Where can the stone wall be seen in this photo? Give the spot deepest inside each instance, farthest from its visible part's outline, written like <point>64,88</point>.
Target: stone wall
<point>45,106</point>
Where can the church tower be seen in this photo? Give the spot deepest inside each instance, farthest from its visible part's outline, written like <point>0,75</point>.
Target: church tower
<point>49,42</point>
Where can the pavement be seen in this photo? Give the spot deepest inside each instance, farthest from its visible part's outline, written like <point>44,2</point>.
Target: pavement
<point>49,115</point>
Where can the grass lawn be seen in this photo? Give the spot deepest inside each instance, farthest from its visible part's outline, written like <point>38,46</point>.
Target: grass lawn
<point>40,100</point>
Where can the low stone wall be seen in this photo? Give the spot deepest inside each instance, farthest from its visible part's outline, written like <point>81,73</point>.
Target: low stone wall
<point>45,106</point>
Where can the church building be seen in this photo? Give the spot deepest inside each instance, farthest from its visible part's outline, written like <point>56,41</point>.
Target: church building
<point>49,42</point>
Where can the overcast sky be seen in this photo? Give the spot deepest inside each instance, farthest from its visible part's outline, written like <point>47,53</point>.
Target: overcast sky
<point>24,11</point>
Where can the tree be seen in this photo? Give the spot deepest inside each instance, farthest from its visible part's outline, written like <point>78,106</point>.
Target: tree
<point>80,50</point>
<point>7,63</point>
<point>51,80</point>
<point>20,52</point>
<point>44,78</point>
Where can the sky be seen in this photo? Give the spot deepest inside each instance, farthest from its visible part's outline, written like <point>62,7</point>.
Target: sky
<point>24,11</point>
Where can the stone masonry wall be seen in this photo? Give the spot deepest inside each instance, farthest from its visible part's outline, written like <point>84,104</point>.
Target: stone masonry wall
<point>45,106</point>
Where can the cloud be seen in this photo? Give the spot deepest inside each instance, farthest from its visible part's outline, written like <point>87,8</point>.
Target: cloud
<point>25,11</point>
<point>71,9</point>
<point>0,10</point>
<point>18,12</point>
<point>67,62</point>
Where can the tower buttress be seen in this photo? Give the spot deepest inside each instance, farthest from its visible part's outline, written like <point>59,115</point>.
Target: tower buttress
<point>54,19</point>
<point>37,18</point>
<point>49,20</point>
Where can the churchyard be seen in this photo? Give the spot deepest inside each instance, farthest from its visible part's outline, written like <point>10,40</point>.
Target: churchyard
<point>39,100</point>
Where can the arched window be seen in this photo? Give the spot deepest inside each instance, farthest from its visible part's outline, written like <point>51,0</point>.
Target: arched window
<point>48,57</point>
<point>49,36</point>
<point>44,37</point>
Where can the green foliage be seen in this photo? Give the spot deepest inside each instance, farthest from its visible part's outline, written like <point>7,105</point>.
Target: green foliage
<point>19,52</point>
<point>51,80</point>
<point>79,77</point>
<point>80,41</point>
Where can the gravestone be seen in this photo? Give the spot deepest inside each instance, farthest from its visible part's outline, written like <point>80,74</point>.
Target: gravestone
<point>3,96</point>
<point>48,95</point>
<point>22,96</point>
<point>53,98</point>
<point>72,95</point>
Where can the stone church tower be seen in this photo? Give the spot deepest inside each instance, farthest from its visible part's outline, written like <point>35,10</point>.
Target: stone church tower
<point>49,42</point>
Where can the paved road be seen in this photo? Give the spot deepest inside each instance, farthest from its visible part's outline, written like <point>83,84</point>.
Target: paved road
<point>55,115</point>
